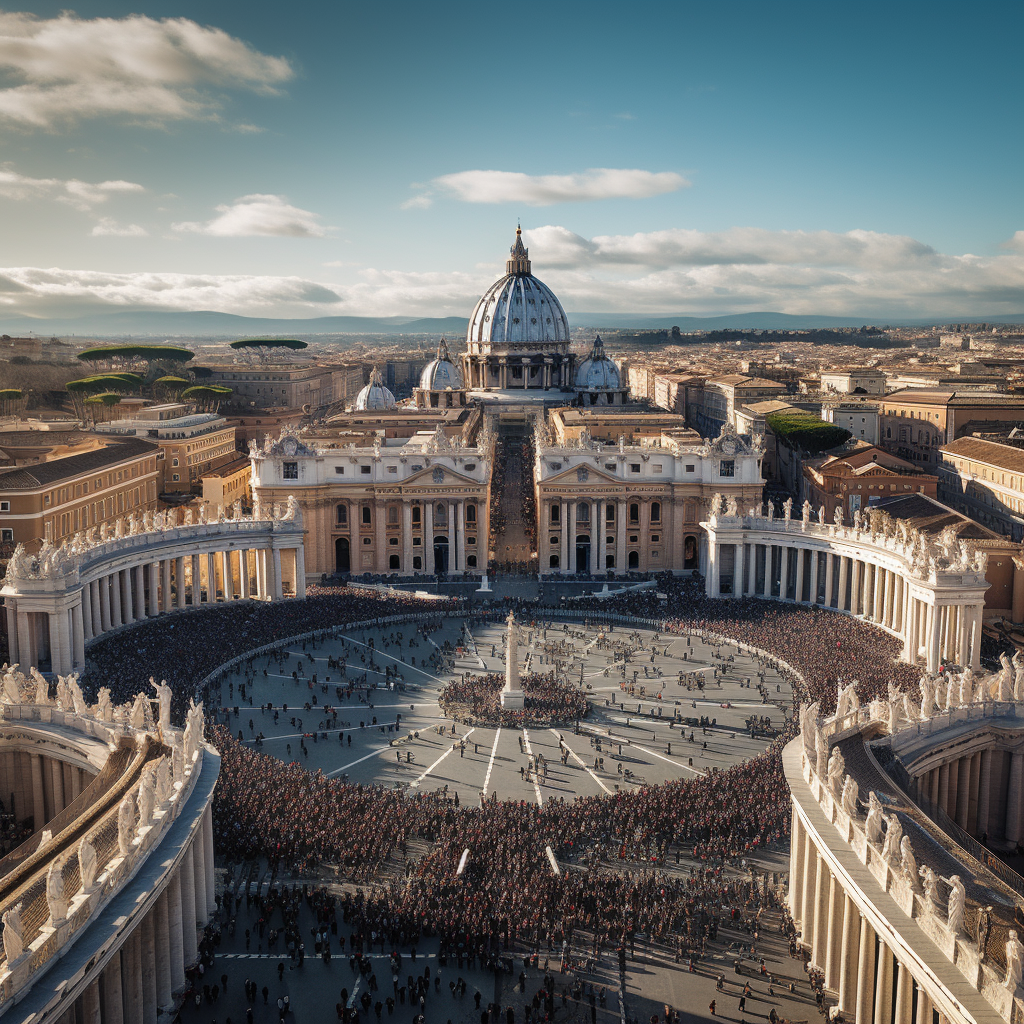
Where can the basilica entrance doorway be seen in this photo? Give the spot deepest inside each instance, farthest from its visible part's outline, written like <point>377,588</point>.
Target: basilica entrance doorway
<point>342,556</point>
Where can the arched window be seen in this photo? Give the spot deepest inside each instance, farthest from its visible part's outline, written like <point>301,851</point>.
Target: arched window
<point>416,515</point>
<point>655,511</point>
<point>634,560</point>
<point>553,562</point>
<point>341,514</point>
<point>471,513</point>
<point>366,515</point>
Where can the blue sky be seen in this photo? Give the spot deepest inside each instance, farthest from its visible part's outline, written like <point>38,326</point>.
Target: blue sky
<point>312,159</point>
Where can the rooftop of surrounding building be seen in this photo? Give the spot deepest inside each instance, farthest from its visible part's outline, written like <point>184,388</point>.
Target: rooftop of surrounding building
<point>865,457</point>
<point>992,453</point>
<point>933,517</point>
<point>29,478</point>
<point>765,408</point>
<point>230,468</point>
<point>742,380</point>
<point>949,397</point>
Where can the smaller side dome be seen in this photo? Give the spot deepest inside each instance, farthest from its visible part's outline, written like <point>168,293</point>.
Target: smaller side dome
<point>441,373</point>
<point>597,372</point>
<point>374,396</point>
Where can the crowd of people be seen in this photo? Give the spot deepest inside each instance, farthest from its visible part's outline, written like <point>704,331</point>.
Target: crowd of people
<point>476,700</point>
<point>298,820</point>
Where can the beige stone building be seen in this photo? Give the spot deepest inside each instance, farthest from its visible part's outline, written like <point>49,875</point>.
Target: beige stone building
<point>53,500</point>
<point>416,505</point>
<point>616,507</point>
<point>229,483</point>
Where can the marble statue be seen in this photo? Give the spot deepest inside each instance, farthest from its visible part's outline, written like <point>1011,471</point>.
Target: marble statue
<point>895,706</point>
<point>927,688</point>
<point>849,798</point>
<point>137,718</point>
<point>836,771</point>
<point>931,886</point>
<point>55,901</point>
<point>42,686</point>
<point>1018,675</point>
<point>1014,961</point>
<point>63,694</point>
<point>87,864</point>
<point>194,726</point>
<point>809,724</point>
<point>731,508</point>
<point>908,865</point>
<point>770,513</point>
<point>12,691</point>
<point>164,783</point>
<point>966,687</point>
<point>847,701</point>
<point>1004,680</point>
<point>163,696</point>
<point>893,837</point>
<point>821,514</point>
<point>104,709</point>
<point>787,509</point>
<point>147,796</point>
<point>821,752</point>
<point>126,825</point>
<point>910,711</point>
<point>44,837</point>
<point>873,824</point>
<point>956,908</point>
<point>805,512</point>
<point>177,760</point>
<point>77,697</point>
<point>14,939</point>
<point>837,518</point>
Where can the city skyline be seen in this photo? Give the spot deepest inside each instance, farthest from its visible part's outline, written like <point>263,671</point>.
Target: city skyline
<point>694,159</point>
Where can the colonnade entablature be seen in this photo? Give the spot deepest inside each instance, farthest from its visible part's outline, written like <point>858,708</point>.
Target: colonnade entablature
<point>90,878</point>
<point>61,598</point>
<point>927,590</point>
<point>897,930</point>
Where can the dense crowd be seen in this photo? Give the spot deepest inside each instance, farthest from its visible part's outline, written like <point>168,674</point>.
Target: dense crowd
<point>476,700</point>
<point>298,820</point>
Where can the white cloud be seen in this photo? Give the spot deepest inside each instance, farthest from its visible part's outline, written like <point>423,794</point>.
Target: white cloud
<point>54,291</point>
<point>109,226</point>
<point>83,195</point>
<point>68,68</point>
<point>420,202</point>
<point>259,214</point>
<point>547,189</point>
<point>1016,242</point>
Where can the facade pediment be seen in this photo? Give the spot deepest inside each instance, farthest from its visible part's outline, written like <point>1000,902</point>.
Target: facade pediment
<point>585,476</point>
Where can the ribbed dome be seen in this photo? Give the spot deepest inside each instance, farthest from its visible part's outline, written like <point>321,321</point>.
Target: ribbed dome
<point>375,397</point>
<point>441,373</point>
<point>518,310</point>
<point>597,372</point>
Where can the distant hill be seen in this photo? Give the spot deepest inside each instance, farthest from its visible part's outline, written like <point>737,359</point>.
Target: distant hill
<point>208,323</point>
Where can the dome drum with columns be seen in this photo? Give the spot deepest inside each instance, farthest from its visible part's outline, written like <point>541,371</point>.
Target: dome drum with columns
<point>518,335</point>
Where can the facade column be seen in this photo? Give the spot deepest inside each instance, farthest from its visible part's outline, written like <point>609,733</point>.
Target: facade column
<point>849,957</point>
<point>883,985</point>
<point>131,977</point>
<point>570,524</point>
<point>278,588</point>
<point>91,1004</point>
<point>140,592</point>
<point>563,553</point>
<point>150,1007</point>
<point>115,600</point>
<point>187,875</point>
<point>784,573</point>
<point>113,1008</point>
<point>176,933</point>
<point>865,1001</point>
<point>407,536</point>
<point>751,590</point>
<point>904,996</point>
<point>599,536</point>
<point>1014,797</point>
<point>620,547</point>
<point>428,537</point>
<point>77,637</point>
<point>798,587</point>
<point>162,934</point>
<point>460,537</point>
<point>452,539</point>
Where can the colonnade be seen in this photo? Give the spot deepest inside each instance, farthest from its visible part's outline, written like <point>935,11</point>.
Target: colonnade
<point>873,984</point>
<point>41,785</point>
<point>937,615</point>
<point>147,969</point>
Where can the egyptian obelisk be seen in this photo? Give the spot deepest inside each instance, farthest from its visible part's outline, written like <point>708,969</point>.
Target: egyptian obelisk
<point>512,695</point>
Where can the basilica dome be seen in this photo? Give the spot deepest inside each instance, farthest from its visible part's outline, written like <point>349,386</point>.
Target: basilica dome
<point>375,397</point>
<point>441,373</point>
<point>597,372</point>
<point>517,311</point>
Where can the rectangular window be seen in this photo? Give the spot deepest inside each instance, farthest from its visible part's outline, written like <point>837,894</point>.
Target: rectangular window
<point>556,512</point>
<point>6,535</point>
<point>366,515</point>
<point>290,471</point>
<point>691,469</point>
<point>727,467</point>
<point>656,467</point>
<point>340,470</point>
<point>365,470</point>
<point>392,469</point>
<point>610,466</point>
<point>5,506</point>
<point>634,467</point>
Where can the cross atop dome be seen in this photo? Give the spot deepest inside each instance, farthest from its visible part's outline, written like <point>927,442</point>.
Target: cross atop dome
<point>520,261</point>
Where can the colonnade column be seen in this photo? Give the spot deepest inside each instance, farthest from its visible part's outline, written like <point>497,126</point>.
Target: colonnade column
<point>738,567</point>
<point>848,957</point>
<point>131,976</point>
<point>1014,796</point>
<point>812,594</point>
<point>91,1004</point>
<point>768,558</point>
<point>855,586</point>
<point>783,573</point>
<point>834,935</point>
<point>115,600</point>
<point>77,636</point>
<point>154,589</point>
<point>883,985</point>
<point>278,590</point>
<point>865,973</point>
<point>243,574</point>
<point>86,622</point>
<point>818,912</point>
<point>904,996</point>
<point>140,592</point>
<point>229,579</point>
<point>798,583</point>
<point>197,594</point>
<point>211,892</point>
<point>162,934</point>
<point>796,849</point>
<point>175,933</point>
<point>211,577</point>
<point>167,603</point>
<point>95,608</point>
<point>150,1006</point>
<point>406,536</point>
<point>460,536</point>
<point>933,638</point>
<point>179,579</point>
<point>110,979</point>
<point>830,561</point>
<point>187,875</point>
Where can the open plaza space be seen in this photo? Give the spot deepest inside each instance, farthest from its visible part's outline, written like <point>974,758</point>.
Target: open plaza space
<point>364,706</point>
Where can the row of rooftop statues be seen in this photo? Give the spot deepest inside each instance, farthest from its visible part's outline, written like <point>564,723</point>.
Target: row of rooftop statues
<point>883,831</point>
